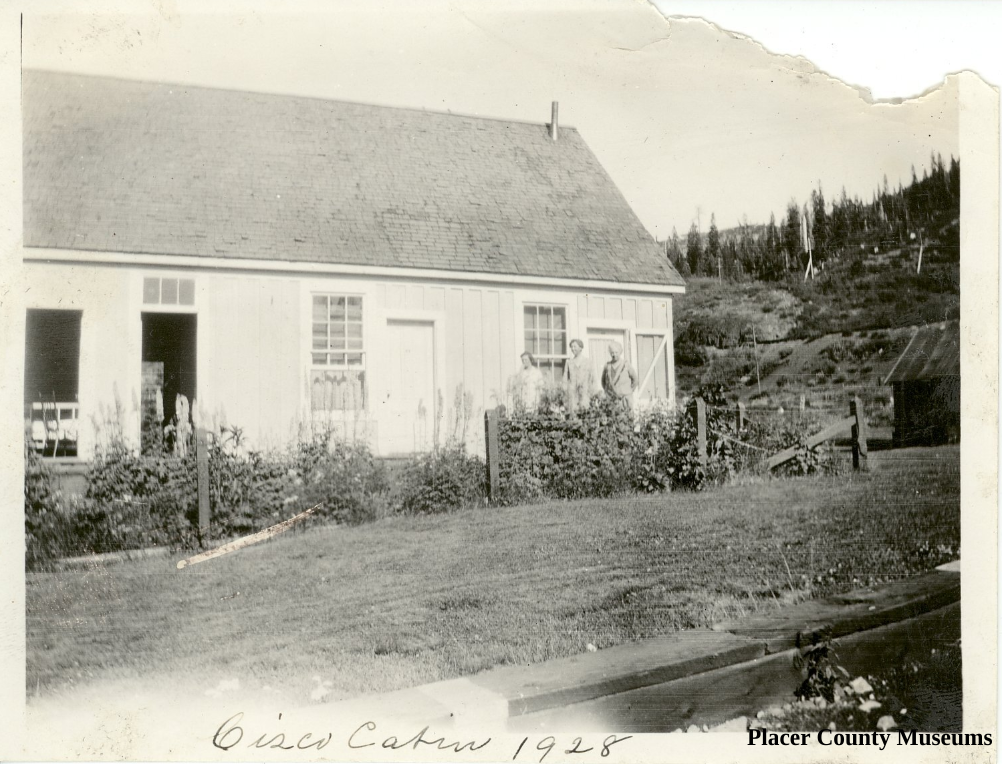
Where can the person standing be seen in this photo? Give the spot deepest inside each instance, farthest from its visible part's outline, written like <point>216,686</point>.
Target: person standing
<point>578,378</point>
<point>528,384</point>
<point>619,379</point>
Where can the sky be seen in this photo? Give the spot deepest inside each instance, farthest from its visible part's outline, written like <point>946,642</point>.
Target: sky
<point>689,120</point>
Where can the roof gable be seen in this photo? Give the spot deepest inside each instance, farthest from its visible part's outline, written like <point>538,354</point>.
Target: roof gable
<point>932,353</point>
<point>116,165</point>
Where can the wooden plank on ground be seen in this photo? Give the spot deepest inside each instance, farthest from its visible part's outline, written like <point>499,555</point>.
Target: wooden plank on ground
<point>616,669</point>
<point>742,689</point>
<point>849,613</point>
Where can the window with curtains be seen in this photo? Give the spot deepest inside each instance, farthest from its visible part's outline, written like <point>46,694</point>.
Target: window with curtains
<point>337,351</point>
<point>546,337</point>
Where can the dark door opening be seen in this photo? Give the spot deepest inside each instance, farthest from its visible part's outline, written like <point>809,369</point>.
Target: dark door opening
<point>168,368</point>
<point>52,380</point>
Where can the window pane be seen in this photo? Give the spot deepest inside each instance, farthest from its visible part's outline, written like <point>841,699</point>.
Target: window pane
<point>354,359</point>
<point>168,292</point>
<point>354,344</point>
<point>151,290</point>
<point>530,319</point>
<point>545,319</point>
<point>320,359</point>
<point>186,292</point>
<point>355,330</point>
<point>354,308</point>
<point>337,330</point>
<point>530,342</point>
<point>319,335</point>
<point>560,343</point>
<point>544,345</point>
<point>319,308</point>
<point>559,320</point>
<point>337,343</point>
<point>337,309</point>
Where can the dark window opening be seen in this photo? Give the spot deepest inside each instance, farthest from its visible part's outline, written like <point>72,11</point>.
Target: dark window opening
<point>52,380</point>
<point>168,371</point>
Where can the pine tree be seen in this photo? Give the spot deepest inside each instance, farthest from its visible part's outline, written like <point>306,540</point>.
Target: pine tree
<point>694,250</point>
<point>791,235</point>
<point>713,254</point>
<point>819,226</point>
<point>675,254</point>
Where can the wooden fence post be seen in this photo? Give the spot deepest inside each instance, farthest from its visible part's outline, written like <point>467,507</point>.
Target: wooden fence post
<point>202,463</point>
<point>859,454</point>
<point>493,457</point>
<point>701,430</point>
<point>741,416</point>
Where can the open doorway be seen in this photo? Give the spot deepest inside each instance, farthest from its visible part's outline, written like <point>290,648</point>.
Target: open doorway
<point>52,380</point>
<point>169,370</point>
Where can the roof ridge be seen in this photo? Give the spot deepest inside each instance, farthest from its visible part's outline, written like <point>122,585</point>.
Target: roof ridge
<point>272,94</point>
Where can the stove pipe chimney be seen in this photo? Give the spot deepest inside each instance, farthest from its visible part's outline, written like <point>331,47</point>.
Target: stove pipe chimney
<point>553,122</point>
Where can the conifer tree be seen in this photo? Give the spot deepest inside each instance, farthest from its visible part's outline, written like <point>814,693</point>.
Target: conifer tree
<point>694,250</point>
<point>714,259</point>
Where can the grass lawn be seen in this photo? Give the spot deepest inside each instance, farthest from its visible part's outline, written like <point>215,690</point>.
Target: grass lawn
<point>415,599</point>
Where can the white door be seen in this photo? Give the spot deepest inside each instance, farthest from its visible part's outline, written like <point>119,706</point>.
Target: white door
<point>598,349</point>
<point>407,409</point>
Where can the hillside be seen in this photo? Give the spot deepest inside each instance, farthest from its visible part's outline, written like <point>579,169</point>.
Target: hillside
<point>772,342</point>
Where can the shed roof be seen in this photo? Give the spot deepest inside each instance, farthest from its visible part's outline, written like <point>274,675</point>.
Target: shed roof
<point>138,167</point>
<point>932,353</point>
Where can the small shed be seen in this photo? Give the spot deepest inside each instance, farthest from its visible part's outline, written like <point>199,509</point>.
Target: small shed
<point>926,381</point>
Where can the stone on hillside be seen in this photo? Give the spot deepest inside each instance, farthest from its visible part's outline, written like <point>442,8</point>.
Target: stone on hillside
<point>693,728</point>
<point>860,686</point>
<point>869,705</point>
<point>885,723</point>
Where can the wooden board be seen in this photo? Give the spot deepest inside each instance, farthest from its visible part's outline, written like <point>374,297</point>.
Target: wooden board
<point>829,432</point>
<point>849,613</point>
<point>617,669</point>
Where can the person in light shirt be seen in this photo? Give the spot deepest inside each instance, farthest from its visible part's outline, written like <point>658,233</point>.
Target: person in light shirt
<point>578,378</point>
<point>619,379</point>
<point>528,383</point>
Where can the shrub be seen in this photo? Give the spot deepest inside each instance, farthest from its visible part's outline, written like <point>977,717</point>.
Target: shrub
<point>603,451</point>
<point>151,499</point>
<point>341,477</point>
<point>47,529</point>
<point>443,480</point>
<point>588,454</point>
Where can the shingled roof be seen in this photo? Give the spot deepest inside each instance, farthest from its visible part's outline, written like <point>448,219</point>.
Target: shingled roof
<point>136,167</point>
<point>933,353</point>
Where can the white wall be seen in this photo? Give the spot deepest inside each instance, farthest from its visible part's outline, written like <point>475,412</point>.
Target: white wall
<point>254,333</point>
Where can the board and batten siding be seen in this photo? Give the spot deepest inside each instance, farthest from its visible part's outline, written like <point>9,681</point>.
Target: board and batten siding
<point>252,377</point>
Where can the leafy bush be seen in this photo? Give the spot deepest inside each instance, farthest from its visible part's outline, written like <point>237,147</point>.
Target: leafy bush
<point>342,477</point>
<point>606,450</point>
<point>151,499</point>
<point>47,529</point>
<point>588,454</point>
<point>443,480</point>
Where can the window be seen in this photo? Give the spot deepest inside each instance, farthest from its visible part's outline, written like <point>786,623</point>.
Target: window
<point>337,380</point>
<point>158,291</point>
<point>546,337</point>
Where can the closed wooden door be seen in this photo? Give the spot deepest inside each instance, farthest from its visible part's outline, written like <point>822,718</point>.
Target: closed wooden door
<point>407,410</point>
